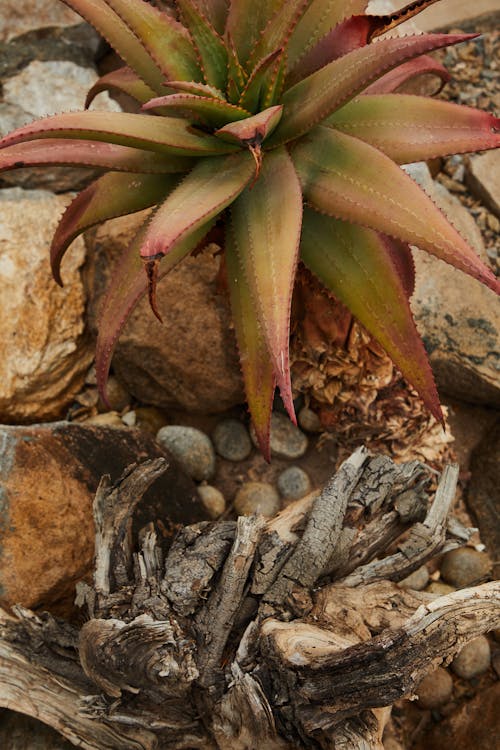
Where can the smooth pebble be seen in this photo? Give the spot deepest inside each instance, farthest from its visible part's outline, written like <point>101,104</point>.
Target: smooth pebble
<point>191,447</point>
<point>417,581</point>
<point>465,567</point>
<point>293,483</point>
<point>309,420</point>
<point>439,588</point>
<point>435,689</point>
<point>286,440</point>
<point>473,659</point>
<point>231,440</point>
<point>150,419</point>
<point>108,419</point>
<point>257,497</point>
<point>212,499</point>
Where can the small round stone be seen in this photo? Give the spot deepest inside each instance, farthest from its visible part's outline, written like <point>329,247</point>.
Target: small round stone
<point>213,500</point>
<point>108,419</point>
<point>435,689</point>
<point>293,483</point>
<point>286,440</point>
<point>149,419</point>
<point>417,581</point>
<point>117,394</point>
<point>439,588</point>
<point>191,447</point>
<point>474,659</point>
<point>257,497</point>
<point>309,420</point>
<point>465,567</point>
<point>231,440</point>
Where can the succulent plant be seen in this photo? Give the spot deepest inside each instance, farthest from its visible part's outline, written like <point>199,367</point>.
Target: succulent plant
<point>278,120</point>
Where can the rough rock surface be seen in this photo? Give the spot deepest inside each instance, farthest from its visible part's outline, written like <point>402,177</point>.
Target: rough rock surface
<point>483,179</point>
<point>21,16</point>
<point>49,477</point>
<point>45,353</point>
<point>190,361</point>
<point>458,318</point>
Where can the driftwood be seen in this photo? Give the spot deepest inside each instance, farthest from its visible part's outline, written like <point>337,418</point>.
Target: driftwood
<point>254,634</point>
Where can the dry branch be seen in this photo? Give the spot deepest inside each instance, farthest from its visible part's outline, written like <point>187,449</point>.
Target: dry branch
<point>226,644</point>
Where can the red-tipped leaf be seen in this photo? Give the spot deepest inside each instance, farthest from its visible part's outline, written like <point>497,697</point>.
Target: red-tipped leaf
<point>123,80</point>
<point>419,67</point>
<point>212,112</point>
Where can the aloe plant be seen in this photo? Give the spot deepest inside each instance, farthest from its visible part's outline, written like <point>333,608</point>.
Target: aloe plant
<point>278,120</point>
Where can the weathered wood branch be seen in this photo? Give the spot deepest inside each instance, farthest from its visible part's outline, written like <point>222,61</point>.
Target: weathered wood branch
<point>285,633</point>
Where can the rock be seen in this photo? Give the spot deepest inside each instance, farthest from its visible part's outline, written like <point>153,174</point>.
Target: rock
<point>190,362</point>
<point>45,350</point>
<point>21,16</point>
<point>106,419</point>
<point>439,589</point>
<point>309,420</point>
<point>483,490</point>
<point>483,179</point>
<point>257,497</point>
<point>473,659</point>
<point>293,483</point>
<point>46,88</point>
<point>418,580</point>
<point>445,15</point>
<point>475,724</point>
<point>286,440</point>
<point>435,689</point>
<point>191,447</point>
<point>118,396</point>
<point>149,419</point>
<point>465,567</point>
<point>49,476</point>
<point>213,500</point>
<point>457,317</point>
<point>231,440</point>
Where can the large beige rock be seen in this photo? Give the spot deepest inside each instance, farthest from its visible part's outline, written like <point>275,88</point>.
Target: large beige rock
<point>20,16</point>
<point>44,350</point>
<point>458,318</point>
<point>49,476</point>
<point>190,361</point>
<point>483,178</point>
<point>447,14</point>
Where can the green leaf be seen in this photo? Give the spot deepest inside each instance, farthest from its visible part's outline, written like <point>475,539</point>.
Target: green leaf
<point>245,23</point>
<point>166,40</point>
<point>129,284</point>
<point>211,186</point>
<point>87,154</point>
<point>215,11</point>
<point>266,221</point>
<point>256,365</point>
<point>251,94</point>
<point>320,94</point>
<point>121,38</point>
<point>210,45</point>
<point>167,135</point>
<point>198,89</point>
<point>349,179</point>
<point>320,17</point>
<point>362,269</point>
<point>112,195</point>
<point>212,112</point>
<point>277,32</point>
<point>416,128</point>
<point>123,80</point>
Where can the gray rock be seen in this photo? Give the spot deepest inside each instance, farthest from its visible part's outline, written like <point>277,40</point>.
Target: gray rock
<point>474,659</point>
<point>213,500</point>
<point>457,317</point>
<point>231,440</point>
<point>45,350</point>
<point>191,447</point>
<point>257,497</point>
<point>293,483</point>
<point>309,420</point>
<point>483,179</point>
<point>483,490</point>
<point>435,689</point>
<point>418,580</point>
<point>465,567</point>
<point>20,16</point>
<point>286,440</point>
